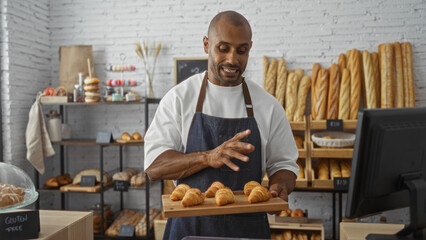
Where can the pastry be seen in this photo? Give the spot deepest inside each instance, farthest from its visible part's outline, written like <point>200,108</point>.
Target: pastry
<point>399,76</point>
<point>281,81</point>
<point>10,188</point>
<point>259,194</point>
<point>376,72</point>
<point>407,63</point>
<point>248,187</point>
<point>192,197</point>
<point>211,191</point>
<point>126,217</point>
<point>291,96</point>
<point>8,199</point>
<point>345,91</point>
<point>271,77</point>
<point>334,169</point>
<point>297,213</point>
<point>387,74</point>
<point>179,192</point>
<point>287,235</point>
<point>302,94</point>
<point>224,196</point>
<point>355,70</point>
<point>126,136</point>
<point>369,82</point>
<point>315,70</point>
<point>52,182</point>
<point>333,92</point>
<point>323,169</point>
<point>321,91</point>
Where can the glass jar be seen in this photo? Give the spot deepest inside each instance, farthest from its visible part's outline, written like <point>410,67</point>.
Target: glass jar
<point>108,217</point>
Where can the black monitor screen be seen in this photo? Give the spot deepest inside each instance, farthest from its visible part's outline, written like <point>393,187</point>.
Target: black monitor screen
<point>390,146</point>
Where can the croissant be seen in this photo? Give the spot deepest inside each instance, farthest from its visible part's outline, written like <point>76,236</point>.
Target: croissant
<point>7,199</point>
<point>224,196</point>
<point>259,194</point>
<point>192,197</point>
<point>249,186</point>
<point>213,189</point>
<point>179,192</point>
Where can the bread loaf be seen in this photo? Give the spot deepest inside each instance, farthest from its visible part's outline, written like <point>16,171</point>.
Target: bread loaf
<point>265,68</point>
<point>387,70</point>
<point>333,92</point>
<point>299,141</point>
<point>291,96</point>
<point>138,180</point>
<point>323,169</point>
<point>121,176</point>
<point>249,186</point>
<point>321,91</point>
<point>224,196</point>
<point>302,95</point>
<point>281,81</point>
<point>192,197</point>
<point>126,217</point>
<point>355,96</point>
<point>408,73</point>
<point>335,169</point>
<point>369,81</point>
<point>376,73</point>
<point>341,61</point>
<point>315,70</point>
<point>92,172</point>
<point>259,194</point>
<point>271,77</point>
<point>399,76</point>
<point>345,91</point>
<point>299,73</point>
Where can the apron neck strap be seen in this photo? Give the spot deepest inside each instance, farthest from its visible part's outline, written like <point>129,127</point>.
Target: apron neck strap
<point>247,98</point>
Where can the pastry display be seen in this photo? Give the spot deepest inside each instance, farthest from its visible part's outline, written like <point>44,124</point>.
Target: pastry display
<point>211,191</point>
<point>224,196</point>
<point>126,217</point>
<point>259,194</point>
<point>179,192</point>
<point>192,197</point>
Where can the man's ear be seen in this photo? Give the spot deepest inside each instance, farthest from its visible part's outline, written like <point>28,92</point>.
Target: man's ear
<point>206,44</point>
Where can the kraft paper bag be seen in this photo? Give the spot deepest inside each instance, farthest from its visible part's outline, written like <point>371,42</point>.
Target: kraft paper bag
<point>73,59</point>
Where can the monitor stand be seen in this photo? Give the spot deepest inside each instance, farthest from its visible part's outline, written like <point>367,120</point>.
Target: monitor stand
<point>416,185</point>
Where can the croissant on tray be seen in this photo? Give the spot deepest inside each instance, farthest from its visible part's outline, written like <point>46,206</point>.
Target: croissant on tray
<point>179,192</point>
<point>259,194</point>
<point>224,196</point>
<point>211,192</point>
<point>249,186</point>
<point>192,197</point>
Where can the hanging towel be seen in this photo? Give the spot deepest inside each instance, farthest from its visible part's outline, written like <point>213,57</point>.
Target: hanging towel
<point>37,138</point>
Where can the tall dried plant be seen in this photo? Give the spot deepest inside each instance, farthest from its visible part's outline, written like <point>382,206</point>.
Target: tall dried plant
<point>149,59</point>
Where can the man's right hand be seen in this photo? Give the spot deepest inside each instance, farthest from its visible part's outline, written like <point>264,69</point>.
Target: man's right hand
<point>233,148</point>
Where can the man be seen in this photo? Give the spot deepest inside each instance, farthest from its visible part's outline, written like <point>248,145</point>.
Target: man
<point>208,129</point>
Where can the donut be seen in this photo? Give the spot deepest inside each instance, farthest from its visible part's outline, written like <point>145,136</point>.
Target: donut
<point>92,94</point>
<point>92,80</point>
<point>91,87</point>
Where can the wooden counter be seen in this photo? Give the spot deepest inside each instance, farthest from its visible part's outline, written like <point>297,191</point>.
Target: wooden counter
<point>356,231</point>
<point>65,225</point>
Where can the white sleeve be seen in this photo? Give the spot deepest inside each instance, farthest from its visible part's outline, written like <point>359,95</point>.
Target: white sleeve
<point>281,150</point>
<point>165,130</point>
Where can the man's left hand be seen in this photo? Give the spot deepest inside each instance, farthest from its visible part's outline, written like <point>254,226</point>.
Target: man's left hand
<point>281,184</point>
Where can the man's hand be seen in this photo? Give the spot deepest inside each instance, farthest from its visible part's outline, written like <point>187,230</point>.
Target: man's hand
<point>233,148</point>
<point>281,184</point>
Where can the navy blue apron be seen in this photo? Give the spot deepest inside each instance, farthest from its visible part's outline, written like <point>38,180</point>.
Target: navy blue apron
<point>206,133</point>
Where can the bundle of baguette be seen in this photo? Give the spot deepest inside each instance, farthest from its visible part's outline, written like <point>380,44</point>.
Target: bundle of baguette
<point>131,217</point>
<point>295,235</point>
<point>289,88</point>
<point>55,182</point>
<point>10,195</point>
<point>331,168</point>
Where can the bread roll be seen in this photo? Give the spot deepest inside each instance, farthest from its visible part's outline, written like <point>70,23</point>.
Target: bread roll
<point>345,166</point>
<point>323,169</point>
<point>321,91</point>
<point>399,76</point>
<point>138,180</point>
<point>281,82</point>
<point>355,96</point>
<point>335,169</point>
<point>387,74</point>
<point>265,68</point>
<point>376,73</point>
<point>179,192</point>
<point>121,176</point>
<point>211,191</point>
<point>259,194</point>
<point>315,70</point>
<point>192,197</point>
<point>345,92</point>
<point>224,196</point>
<point>302,95</point>
<point>271,77</point>
<point>407,63</point>
<point>291,96</point>
<point>342,61</point>
<point>249,186</point>
<point>136,136</point>
<point>369,82</point>
<point>333,92</point>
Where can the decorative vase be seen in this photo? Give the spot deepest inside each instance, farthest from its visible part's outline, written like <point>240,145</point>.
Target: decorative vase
<point>149,86</point>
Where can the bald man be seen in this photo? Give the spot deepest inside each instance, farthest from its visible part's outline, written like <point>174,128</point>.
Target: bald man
<point>219,126</point>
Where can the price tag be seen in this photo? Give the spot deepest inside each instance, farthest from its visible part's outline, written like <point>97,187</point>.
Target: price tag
<point>126,231</point>
<point>341,184</point>
<point>335,125</point>
<point>104,137</point>
<point>88,181</point>
<point>122,186</point>
<point>19,225</point>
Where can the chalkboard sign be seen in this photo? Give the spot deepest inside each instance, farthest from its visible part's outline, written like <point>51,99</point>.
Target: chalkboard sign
<point>104,137</point>
<point>88,181</point>
<point>19,225</point>
<point>126,231</point>
<point>335,125</point>
<point>122,186</point>
<point>341,184</point>
<point>186,67</point>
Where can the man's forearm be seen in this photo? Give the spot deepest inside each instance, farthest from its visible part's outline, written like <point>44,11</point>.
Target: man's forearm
<point>285,178</point>
<point>176,165</point>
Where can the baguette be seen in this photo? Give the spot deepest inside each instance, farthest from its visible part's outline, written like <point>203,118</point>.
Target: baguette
<point>408,73</point>
<point>299,73</point>
<point>399,76</point>
<point>342,61</point>
<point>387,59</point>
<point>333,92</point>
<point>302,94</point>
<point>323,169</point>
<point>370,84</point>
<point>334,169</point>
<point>315,70</point>
<point>321,94</point>
<point>271,77</point>
<point>355,83</point>
<point>345,166</point>
<point>376,72</point>
<point>265,67</point>
<point>291,96</point>
<point>344,95</point>
<point>281,81</point>
<point>224,196</point>
<point>301,174</point>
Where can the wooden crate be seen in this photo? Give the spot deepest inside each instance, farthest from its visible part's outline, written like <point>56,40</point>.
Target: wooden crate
<point>159,226</point>
<point>313,226</point>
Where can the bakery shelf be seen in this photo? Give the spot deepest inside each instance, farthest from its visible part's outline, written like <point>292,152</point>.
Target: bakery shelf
<point>92,142</point>
<point>313,226</point>
<point>300,183</point>
<point>322,124</point>
<point>298,125</point>
<point>317,152</point>
<point>110,237</point>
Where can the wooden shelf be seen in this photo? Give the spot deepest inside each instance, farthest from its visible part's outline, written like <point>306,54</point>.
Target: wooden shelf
<point>322,124</point>
<point>94,104</point>
<point>92,142</point>
<point>317,152</point>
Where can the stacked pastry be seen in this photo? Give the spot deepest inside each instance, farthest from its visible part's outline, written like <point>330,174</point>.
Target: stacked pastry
<point>331,168</point>
<point>290,88</point>
<point>10,195</point>
<point>91,90</point>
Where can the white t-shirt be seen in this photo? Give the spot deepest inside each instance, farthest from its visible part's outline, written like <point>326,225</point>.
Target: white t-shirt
<point>170,126</point>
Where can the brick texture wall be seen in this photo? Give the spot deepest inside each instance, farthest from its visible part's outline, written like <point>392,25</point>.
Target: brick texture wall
<point>303,32</point>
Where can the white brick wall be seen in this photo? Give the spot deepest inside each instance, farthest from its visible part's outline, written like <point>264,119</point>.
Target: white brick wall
<point>303,32</point>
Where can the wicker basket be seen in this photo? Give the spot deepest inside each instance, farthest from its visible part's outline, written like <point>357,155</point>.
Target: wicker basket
<point>338,139</point>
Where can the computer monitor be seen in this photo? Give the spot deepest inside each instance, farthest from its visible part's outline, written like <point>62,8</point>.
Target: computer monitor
<point>389,167</point>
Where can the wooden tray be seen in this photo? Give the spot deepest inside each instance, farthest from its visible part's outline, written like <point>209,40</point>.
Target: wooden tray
<point>209,207</point>
<point>129,141</point>
<point>318,152</point>
<point>77,188</point>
